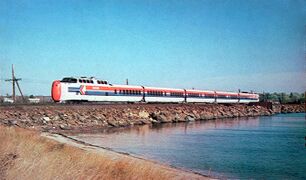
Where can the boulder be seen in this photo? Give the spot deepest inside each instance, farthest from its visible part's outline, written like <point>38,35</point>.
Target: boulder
<point>64,127</point>
<point>189,118</point>
<point>113,123</point>
<point>178,118</point>
<point>143,114</point>
<point>46,118</point>
<point>12,122</point>
<point>160,117</point>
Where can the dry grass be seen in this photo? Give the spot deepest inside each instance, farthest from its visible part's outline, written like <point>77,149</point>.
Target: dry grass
<point>27,155</point>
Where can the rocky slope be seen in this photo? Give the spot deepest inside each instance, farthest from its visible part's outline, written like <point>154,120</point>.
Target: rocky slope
<point>78,117</point>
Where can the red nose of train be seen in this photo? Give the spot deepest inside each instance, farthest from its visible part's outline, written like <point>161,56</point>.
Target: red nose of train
<point>56,91</point>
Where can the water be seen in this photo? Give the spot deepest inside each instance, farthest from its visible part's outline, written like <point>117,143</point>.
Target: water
<point>260,148</point>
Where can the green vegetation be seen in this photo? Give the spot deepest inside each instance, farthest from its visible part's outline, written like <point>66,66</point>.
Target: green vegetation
<point>283,97</point>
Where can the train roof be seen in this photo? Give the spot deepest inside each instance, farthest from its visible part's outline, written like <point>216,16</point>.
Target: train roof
<point>125,86</point>
<point>159,88</point>
<point>83,78</point>
<point>199,91</point>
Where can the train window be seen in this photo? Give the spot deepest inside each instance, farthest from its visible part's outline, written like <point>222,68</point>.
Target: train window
<point>115,91</point>
<point>69,80</point>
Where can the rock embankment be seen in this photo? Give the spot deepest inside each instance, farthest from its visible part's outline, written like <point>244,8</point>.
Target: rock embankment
<point>78,117</point>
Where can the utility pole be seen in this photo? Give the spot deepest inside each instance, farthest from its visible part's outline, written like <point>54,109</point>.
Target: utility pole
<point>15,80</point>
<point>127,81</point>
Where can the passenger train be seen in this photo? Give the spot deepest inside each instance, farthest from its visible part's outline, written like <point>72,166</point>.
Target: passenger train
<point>83,89</point>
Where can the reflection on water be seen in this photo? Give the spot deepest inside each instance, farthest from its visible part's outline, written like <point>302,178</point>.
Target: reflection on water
<point>256,147</point>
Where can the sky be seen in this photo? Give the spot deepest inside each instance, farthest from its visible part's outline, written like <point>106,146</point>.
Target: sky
<point>226,45</point>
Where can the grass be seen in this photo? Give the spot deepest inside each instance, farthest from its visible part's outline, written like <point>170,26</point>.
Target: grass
<point>24,154</point>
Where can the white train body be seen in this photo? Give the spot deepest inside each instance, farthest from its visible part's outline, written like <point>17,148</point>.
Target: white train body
<point>194,96</point>
<point>155,94</point>
<point>91,89</point>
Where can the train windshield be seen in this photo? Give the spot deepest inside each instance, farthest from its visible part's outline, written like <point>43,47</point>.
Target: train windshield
<point>69,80</point>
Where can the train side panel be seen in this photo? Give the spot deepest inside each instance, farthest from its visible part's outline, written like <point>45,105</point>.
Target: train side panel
<point>200,100</point>
<point>154,94</point>
<point>199,96</point>
<point>226,97</point>
<point>246,98</point>
<point>107,93</point>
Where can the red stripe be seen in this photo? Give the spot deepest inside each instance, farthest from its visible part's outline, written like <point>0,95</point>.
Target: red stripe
<point>167,91</point>
<point>105,88</point>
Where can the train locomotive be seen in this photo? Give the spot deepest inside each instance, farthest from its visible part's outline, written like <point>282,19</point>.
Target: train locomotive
<point>84,89</point>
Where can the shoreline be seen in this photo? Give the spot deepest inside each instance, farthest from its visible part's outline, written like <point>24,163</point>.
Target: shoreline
<point>82,118</point>
<point>57,122</point>
<point>62,138</point>
<point>25,154</point>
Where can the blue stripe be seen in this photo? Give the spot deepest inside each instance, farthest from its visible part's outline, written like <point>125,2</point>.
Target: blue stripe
<point>164,96</point>
<point>111,93</point>
<point>73,89</point>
